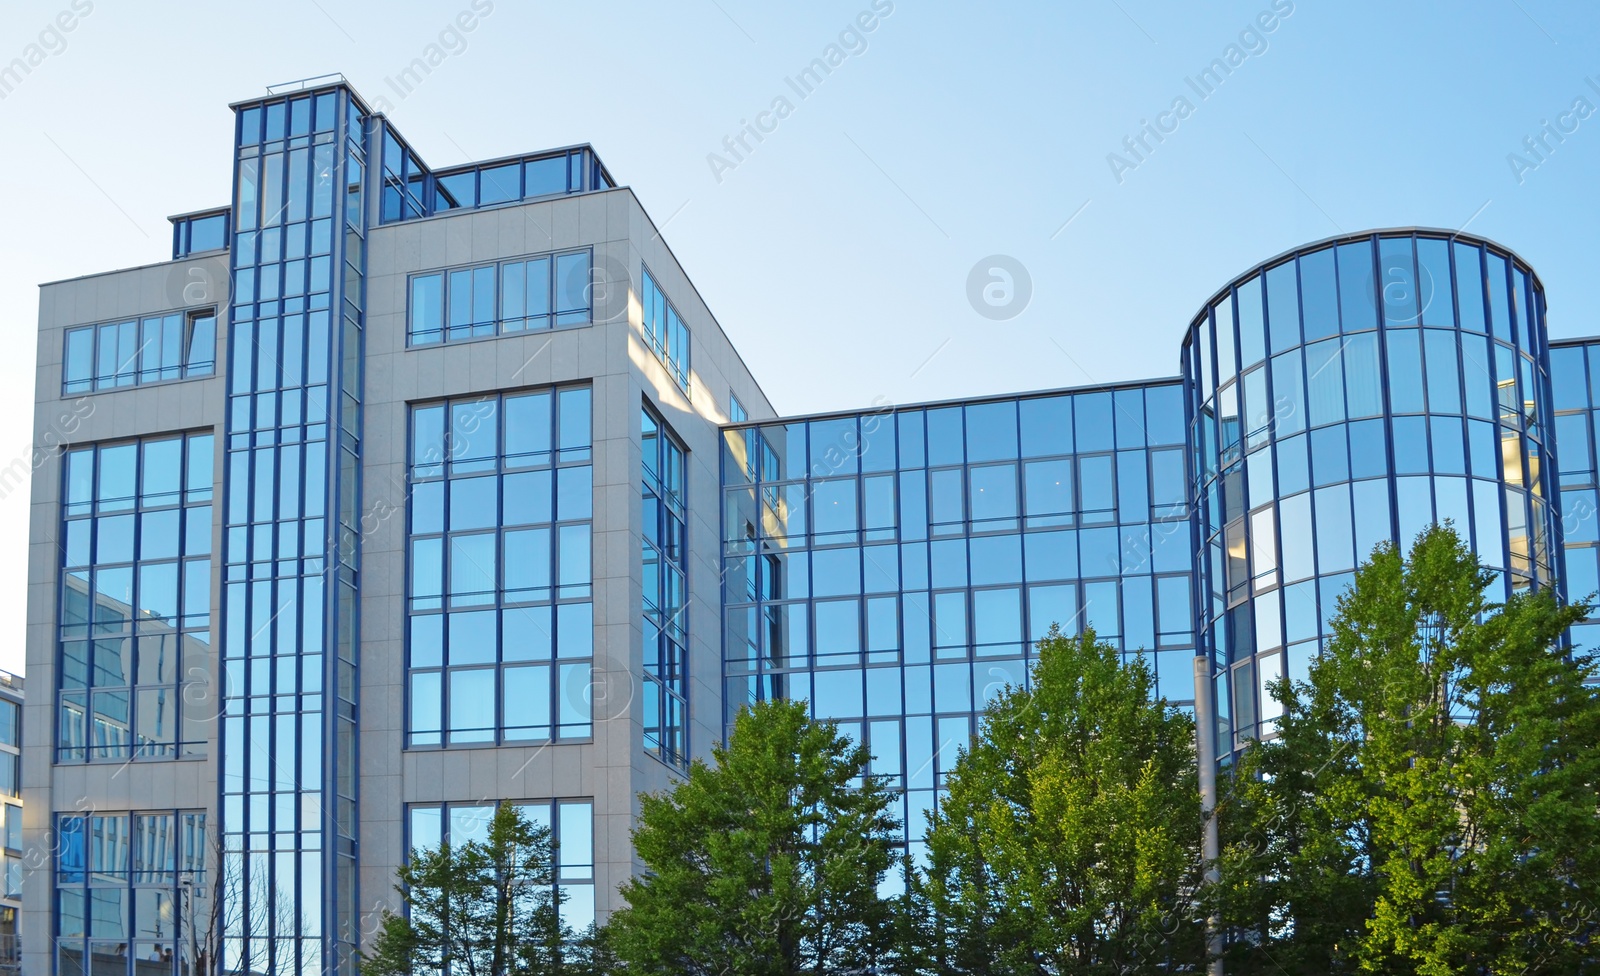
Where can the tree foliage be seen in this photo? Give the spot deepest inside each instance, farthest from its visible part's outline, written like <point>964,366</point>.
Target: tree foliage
<point>765,861</point>
<point>1431,805</point>
<point>1069,841</point>
<point>483,908</point>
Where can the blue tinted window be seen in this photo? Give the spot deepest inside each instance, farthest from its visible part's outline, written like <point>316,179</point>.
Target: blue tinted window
<point>994,492</point>
<point>500,183</point>
<point>1288,394</point>
<point>1252,323</point>
<point>516,594</point>
<point>1577,457</point>
<point>1410,445</point>
<point>1052,605</point>
<point>547,176</point>
<point>153,349</point>
<point>1319,294</point>
<point>1133,487</point>
<point>1363,376</point>
<point>457,190</point>
<point>1444,383</point>
<point>1469,287</point>
<point>1568,379</point>
<point>1358,295</point>
<point>1047,425</point>
<point>1484,449</point>
<point>945,437</point>
<point>1128,408</point>
<point>1405,371</point>
<point>835,447</point>
<point>1097,485</point>
<point>1449,449</point>
<point>1434,282</point>
<point>996,559</point>
<point>1094,421</point>
<point>1325,382</point>
<point>1499,309</point>
<point>1222,317</point>
<point>992,431</point>
<point>1047,489</point>
<point>1398,281</point>
<point>146,509</point>
<point>1369,452</point>
<point>912,448</point>
<point>1164,415</point>
<point>1283,306</point>
<point>1330,460</point>
<point>78,366</point>
<point>1051,555</point>
<point>1335,539</point>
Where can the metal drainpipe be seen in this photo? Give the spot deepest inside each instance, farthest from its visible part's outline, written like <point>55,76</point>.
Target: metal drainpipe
<point>1205,715</point>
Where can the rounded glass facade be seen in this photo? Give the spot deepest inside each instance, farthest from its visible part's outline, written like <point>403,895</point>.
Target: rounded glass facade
<point>1348,393</point>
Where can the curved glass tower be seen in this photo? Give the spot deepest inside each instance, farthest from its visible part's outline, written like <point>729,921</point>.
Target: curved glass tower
<point>1348,393</point>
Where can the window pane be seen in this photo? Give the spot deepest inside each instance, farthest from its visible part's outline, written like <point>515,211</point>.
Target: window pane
<point>497,184</point>
<point>513,295</point>
<point>526,702</point>
<point>470,721</point>
<point>994,492</point>
<point>1444,385</point>
<point>1357,294</point>
<point>78,368</point>
<point>1319,295</point>
<point>427,304</point>
<point>547,176</point>
<point>1048,487</point>
<point>1433,282</point>
<point>1283,307</point>
<point>572,287</point>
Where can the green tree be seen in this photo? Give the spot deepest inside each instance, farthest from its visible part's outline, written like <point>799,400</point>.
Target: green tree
<point>1069,841</point>
<point>1431,804</point>
<point>483,908</point>
<point>766,861</point>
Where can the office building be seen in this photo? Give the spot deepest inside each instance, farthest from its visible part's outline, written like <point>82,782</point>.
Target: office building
<point>399,492</point>
<point>11,857</point>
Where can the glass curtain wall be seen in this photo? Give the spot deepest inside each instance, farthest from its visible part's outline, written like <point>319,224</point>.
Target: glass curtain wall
<point>895,568</point>
<point>1575,397</point>
<point>1349,394</point>
<point>291,542</point>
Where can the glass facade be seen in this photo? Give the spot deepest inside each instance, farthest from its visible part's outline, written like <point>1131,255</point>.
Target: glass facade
<point>123,889</point>
<point>291,541</point>
<point>171,346</point>
<point>665,332</point>
<point>411,190</point>
<point>501,605</point>
<point>1575,397</point>
<point>134,615</point>
<point>11,849</point>
<point>1349,394</point>
<point>664,544</point>
<point>896,567</point>
<point>199,233</point>
<point>544,291</point>
<point>571,826</point>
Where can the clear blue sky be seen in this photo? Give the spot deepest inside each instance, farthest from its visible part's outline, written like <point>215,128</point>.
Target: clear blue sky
<point>837,253</point>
